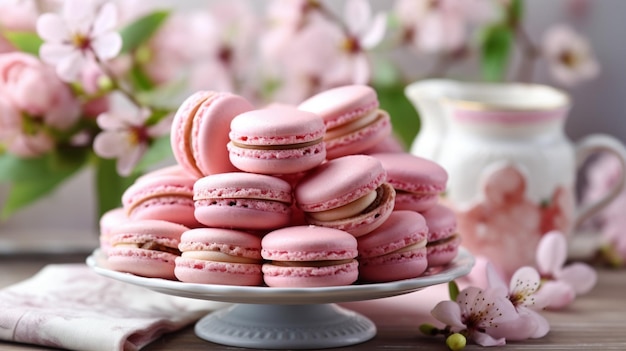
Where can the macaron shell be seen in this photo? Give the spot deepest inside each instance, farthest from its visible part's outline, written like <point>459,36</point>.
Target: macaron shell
<point>110,220</point>
<point>338,182</point>
<point>392,267</point>
<point>441,222</point>
<point>242,213</point>
<point>308,243</point>
<point>200,131</point>
<point>242,200</point>
<point>222,273</point>
<point>365,222</point>
<point>418,181</point>
<point>401,229</point>
<point>145,263</point>
<point>165,197</point>
<point>444,252</point>
<point>279,140</point>
<point>360,140</point>
<point>309,277</point>
<point>342,104</point>
<point>232,242</point>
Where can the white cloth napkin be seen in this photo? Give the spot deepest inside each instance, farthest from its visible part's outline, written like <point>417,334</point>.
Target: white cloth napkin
<point>71,307</point>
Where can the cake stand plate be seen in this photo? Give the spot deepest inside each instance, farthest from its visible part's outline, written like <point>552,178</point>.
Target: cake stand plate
<point>288,318</point>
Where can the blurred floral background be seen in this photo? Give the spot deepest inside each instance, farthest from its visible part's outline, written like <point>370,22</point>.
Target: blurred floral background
<point>88,88</point>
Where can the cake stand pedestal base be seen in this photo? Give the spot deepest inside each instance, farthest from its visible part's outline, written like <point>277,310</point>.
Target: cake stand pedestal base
<point>310,326</point>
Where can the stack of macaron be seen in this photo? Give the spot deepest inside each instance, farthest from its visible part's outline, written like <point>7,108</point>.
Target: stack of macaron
<point>312,195</point>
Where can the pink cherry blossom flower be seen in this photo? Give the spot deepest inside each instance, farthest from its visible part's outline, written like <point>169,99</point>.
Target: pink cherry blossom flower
<point>440,26</point>
<point>126,136</point>
<point>83,31</point>
<point>561,283</point>
<point>474,313</point>
<point>522,294</point>
<point>364,32</point>
<point>569,55</point>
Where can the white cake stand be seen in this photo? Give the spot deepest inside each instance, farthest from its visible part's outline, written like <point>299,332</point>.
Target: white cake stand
<point>288,318</point>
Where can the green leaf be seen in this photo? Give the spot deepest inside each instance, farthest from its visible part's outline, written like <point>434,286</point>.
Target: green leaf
<point>24,192</point>
<point>139,31</point>
<point>15,169</point>
<point>404,117</point>
<point>453,290</point>
<point>159,150</point>
<point>110,185</point>
<point>27,42</point>
<point>495,50</point>
<point>139,79</point>
<point>515,12</point>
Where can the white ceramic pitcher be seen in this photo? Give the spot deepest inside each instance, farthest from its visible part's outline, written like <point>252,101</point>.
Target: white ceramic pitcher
<point>512,170</point>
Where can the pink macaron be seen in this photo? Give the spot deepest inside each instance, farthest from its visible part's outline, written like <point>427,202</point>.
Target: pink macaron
<point>309,256</point>
<point>241,200</point>
<point>348,193</point>
<point>354,123</point>
<point>108,221</point>
<point>167,197</point>
<point>219,256</point>
<point>443,240</point>
<point>418,181</point>
<point>200,131</point>
<point>146,248</point>
<point>278,140</point>
<point>396,250</point>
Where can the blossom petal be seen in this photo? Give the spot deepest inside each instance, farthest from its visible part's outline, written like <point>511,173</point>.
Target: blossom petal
<point>375,33</point>
<point>525,281</point>
<point>107,46</point>
<point>78,15</point>
<point>449,313</point>
<point>162,128</point>
<point>109,121</point>
<point>69,67</point>
<point>520,328</point>
<point>106,19</point>
<point>357,16</point>
<point>543,326</point>
<point>111,144</point>
<point>54,53</point>
<point>554,295</point>
<point>484,339</point>
<point>551,252</point>
<point>126,162</point>
<point>51,27</point>
<point>580,276</point>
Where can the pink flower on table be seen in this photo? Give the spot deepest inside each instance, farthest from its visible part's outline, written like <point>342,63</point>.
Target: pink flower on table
<point>475,313</point>
<point>569,55</point>
<point>522,292</point>
<point>126,136</point>
<point>17,140</point>
<point>84,31</point>
<point>561,283</point>
<point>34,88</point>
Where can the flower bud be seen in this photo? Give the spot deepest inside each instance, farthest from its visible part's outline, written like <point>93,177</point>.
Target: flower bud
<point>429,329</point>
<point>456,342</point>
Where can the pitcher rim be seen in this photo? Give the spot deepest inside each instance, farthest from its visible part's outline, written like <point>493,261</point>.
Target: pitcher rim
<point>565,99</point>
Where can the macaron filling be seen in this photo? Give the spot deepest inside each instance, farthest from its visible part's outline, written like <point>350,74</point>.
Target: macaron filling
<point>353,125</point>
<point>163,245</point>
<point>326,263</point>
<point>218,256</point>
<point>446,240</point>
<point>348,210</point>
<point>277,146</point>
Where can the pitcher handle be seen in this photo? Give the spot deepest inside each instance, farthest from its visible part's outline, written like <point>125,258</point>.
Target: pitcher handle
<point>586,147</point>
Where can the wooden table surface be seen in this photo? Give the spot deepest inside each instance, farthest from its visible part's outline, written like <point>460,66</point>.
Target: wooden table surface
<point>596,321</point>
